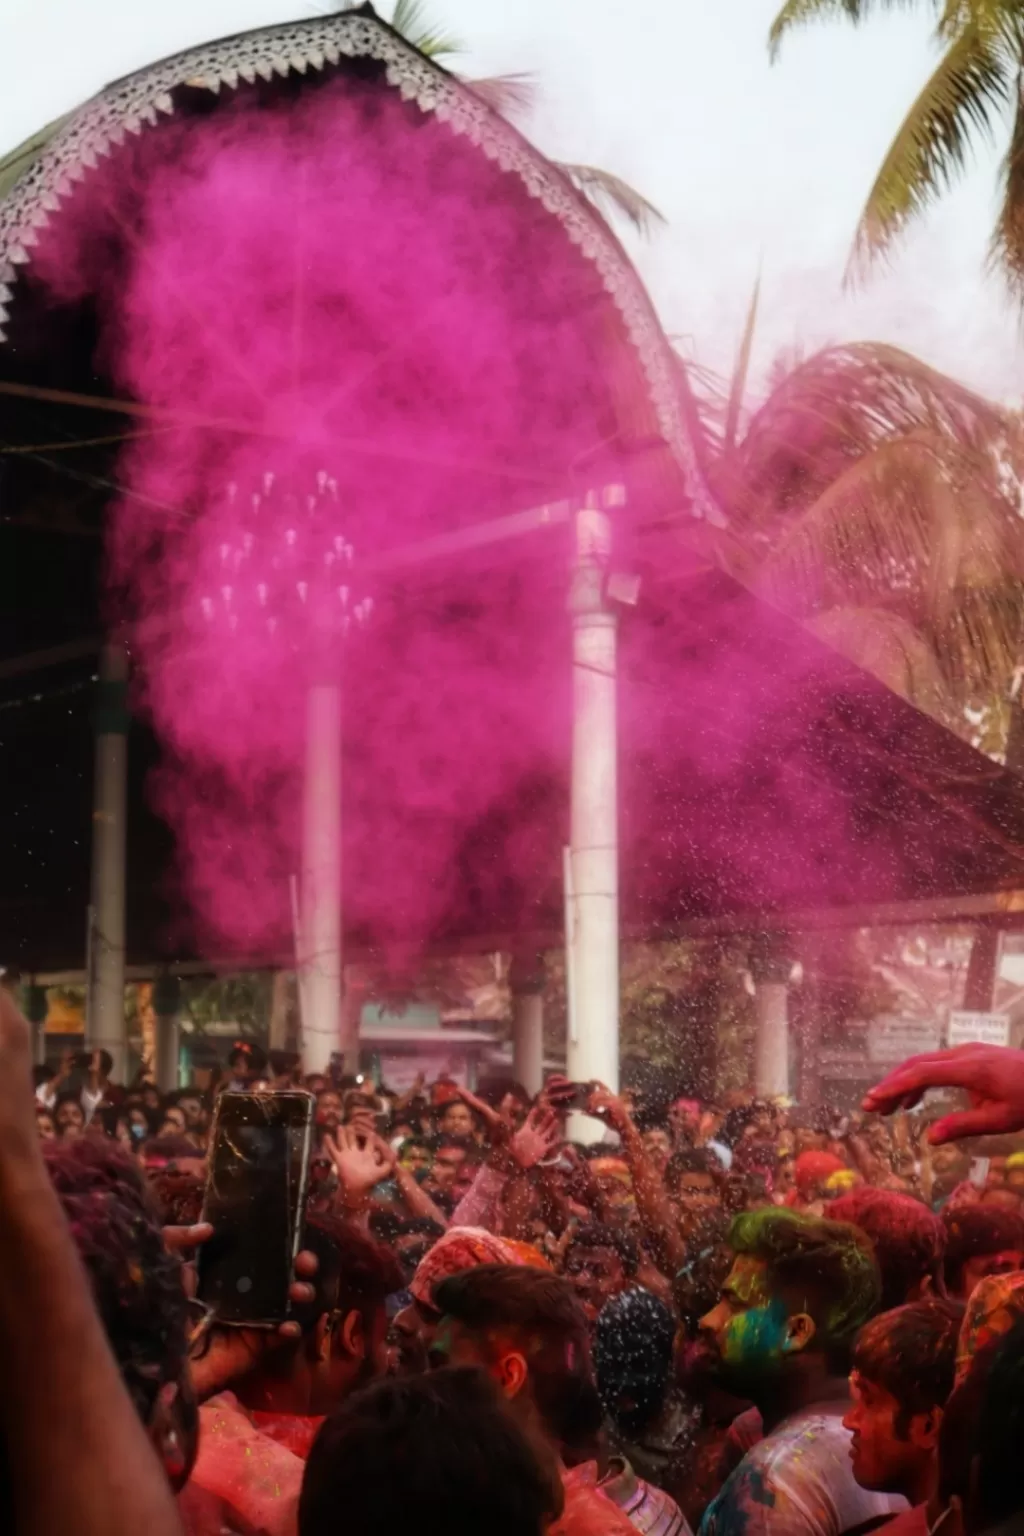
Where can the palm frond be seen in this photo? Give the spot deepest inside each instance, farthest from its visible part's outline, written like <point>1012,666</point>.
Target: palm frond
<point>608,191</point>
<point>886,645</point>
<point>741,373</point>
<point>832,410</point>
<point>965,95</point>
<point>797,13</point>
<point>508,95</point>
<point>1007,247</point>
<point>14,164</point>
<point>409,18</point>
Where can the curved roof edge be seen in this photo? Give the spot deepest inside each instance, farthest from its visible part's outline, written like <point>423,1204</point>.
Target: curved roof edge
<point>47,166</point>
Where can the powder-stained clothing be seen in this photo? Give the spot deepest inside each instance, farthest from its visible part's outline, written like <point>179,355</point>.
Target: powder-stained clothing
<point>797,1481</point>
<point>649,1509</point>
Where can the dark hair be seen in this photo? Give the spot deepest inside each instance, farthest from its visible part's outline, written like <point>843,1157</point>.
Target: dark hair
<point>827,1264</point>
<point>975,1230</point>
<point>187,1093</point>
<point>447,1140</point>
<point>441,1451</point>
<point>909,1240</point>
<point>911,1353</point>
<point>634,1340</point>
<point>249,1052</point>
<point>136,1283</point>
<point>596,1236</point>
<point>999,1492</point>
<point>67,1096</point>
<point>170,1147</point>
<point>539,1312</point>
<point>491,1090</point>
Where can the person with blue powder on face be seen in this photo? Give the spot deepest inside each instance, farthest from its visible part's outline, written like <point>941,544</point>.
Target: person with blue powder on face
<point>799,1289</point>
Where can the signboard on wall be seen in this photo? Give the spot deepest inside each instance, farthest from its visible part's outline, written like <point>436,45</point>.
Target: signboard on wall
<point>979,1028</point>
<point>892,1039</point>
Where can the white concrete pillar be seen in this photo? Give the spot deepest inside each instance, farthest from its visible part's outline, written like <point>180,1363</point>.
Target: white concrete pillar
<point>279,1003</point>
<point>355,994</point>
<point>593,1046</point>
<point>771,967</point>
<point>321,880</point>
<point>167,1011</point>
<point>527,985</point>
<point>105,1015</point>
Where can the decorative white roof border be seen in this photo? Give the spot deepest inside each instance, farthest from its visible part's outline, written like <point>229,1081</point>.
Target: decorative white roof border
<point>128,105</point>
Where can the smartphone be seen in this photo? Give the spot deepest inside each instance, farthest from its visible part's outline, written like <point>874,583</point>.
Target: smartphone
<point>255,1200</point>
<point>565,1095</point>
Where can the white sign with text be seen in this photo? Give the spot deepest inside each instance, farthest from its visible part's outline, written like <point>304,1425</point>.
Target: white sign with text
<point>979,1029</point>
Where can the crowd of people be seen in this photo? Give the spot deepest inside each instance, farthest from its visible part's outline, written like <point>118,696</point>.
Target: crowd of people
<point>734,1319</point>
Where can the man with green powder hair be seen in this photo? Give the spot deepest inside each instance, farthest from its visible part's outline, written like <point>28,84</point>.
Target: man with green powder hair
<point>799,1289</point>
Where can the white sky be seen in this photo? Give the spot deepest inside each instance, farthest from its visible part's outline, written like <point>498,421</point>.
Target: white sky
<point>754,166</point>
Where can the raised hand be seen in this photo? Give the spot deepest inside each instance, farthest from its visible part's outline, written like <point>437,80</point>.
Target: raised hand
<point>607,1106</point>
<point>993,1075</point>
<point>537,1137</point>
<point>489,1116</point>
<point>359,1161</point>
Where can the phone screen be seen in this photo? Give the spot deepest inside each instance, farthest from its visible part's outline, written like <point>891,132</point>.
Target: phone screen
<point>255,1201</point>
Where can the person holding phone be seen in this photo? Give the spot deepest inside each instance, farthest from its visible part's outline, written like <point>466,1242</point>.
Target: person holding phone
<point>254,1441</point>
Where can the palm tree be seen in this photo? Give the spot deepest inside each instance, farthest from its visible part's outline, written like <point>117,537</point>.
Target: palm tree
<point>510,95</point>
<point>879,502</point>
<point>977,78</point>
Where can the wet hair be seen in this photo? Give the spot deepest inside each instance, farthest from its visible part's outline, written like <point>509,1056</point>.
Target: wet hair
<point>977,1231</point>
<point>973,1231</point>
<point>827,1266</point>
<point>442,1450</point>
<point>634,1342</point>
<point>998,1490</point>
<point>909,1240</point>
<point>596,1236</point>
<point>137,1284</point>
<point>539,1313</point>
<point>911,1353</point>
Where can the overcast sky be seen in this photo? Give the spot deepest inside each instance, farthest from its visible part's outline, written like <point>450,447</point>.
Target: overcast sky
<point>754,166</point>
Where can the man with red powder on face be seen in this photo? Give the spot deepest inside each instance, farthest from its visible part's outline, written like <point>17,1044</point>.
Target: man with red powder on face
<point>254,1440</point>
<point>903,1366</point>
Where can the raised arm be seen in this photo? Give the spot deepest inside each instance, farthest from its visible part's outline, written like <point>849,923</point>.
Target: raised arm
<point>654,1208</point>
<point>78,1456</point>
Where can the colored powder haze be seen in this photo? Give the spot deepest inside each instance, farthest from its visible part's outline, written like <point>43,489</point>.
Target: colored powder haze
<point>372,301</point>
